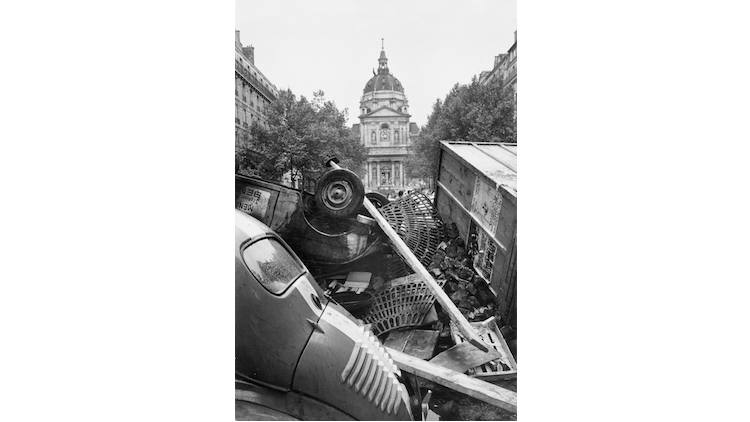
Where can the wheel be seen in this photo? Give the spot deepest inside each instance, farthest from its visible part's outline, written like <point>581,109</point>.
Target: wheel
<point>339,193</point>
<point>377,199</point>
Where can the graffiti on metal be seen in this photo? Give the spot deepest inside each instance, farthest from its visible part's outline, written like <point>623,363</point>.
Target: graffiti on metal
<point>253,201</point>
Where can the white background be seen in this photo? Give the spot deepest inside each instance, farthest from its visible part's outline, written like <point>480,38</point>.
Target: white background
<point>116,166</point>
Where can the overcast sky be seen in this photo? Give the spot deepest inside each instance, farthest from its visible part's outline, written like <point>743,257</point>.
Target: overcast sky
<point>334,45</point>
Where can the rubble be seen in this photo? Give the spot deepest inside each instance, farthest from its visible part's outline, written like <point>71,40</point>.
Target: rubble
<point>466,289</point>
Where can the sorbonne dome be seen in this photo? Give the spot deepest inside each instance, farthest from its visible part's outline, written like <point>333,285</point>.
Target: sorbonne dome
<point>385,130</point>
<point>383,80</point>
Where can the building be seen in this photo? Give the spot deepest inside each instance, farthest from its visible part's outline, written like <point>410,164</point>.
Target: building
<point>253,92</point>
<point>504,68</point>
<point>510,71</point>
<point>385,130</point>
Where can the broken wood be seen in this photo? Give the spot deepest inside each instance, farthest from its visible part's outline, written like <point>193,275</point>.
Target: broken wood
<point>464,356</point>
<point>403,250</point>
<point>417,343</point>
<point>473,387</point>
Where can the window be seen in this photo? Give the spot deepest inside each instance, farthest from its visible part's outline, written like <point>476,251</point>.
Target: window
<point>272,265</point>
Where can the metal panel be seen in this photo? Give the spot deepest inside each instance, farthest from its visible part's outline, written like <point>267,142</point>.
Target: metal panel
<point>497,162</point>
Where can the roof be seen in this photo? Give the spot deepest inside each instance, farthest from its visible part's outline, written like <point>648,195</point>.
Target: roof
<point>383,82</point>
<point>496,161</point>
<point>384,111</point>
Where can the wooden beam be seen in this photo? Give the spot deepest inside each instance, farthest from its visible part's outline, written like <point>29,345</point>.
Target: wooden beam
<point>473,387</point>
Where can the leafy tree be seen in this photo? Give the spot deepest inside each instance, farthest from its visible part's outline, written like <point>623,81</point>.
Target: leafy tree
<point>299,136</point>
<point>473,113</point>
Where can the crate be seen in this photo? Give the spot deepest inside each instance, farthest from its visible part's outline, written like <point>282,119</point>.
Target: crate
<point>490,334</point>
<point>404,305</point>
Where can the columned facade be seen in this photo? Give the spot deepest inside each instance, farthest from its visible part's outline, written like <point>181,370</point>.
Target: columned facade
<point>384,130</point>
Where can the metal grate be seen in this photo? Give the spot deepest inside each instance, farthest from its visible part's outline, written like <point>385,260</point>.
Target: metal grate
<point>404,305</point>
<point>502,368</point>
<point>417,222</point>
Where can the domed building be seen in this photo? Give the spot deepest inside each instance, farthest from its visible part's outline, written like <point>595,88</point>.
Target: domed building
<point>384,129</point>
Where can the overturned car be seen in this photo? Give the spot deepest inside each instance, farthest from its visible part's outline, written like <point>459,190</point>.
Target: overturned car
<point>324,228</point>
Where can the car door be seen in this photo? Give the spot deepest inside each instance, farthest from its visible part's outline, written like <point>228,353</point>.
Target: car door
<point>277,306</point>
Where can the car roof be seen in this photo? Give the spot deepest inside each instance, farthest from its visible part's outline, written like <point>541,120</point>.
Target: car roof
<point>248,227</point>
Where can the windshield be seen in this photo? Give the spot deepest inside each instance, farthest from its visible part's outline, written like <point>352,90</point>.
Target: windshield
<point>272,265</point>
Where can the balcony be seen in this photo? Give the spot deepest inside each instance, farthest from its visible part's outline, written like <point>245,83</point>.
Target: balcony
<point>254,82</point>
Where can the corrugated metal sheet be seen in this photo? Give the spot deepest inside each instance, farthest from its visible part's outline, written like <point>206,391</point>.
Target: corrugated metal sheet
<point>496,161</point>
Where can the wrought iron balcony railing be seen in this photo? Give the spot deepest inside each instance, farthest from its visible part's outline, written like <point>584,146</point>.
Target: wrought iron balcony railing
<point>254,82</point>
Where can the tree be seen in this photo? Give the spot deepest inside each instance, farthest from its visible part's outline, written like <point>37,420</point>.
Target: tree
<point>298,137</point>
<point>473,113</point>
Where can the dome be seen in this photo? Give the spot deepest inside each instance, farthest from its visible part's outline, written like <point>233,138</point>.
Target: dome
<point>383,82</point>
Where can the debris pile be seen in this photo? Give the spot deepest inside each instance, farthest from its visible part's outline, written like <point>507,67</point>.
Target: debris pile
<point>452,262</point>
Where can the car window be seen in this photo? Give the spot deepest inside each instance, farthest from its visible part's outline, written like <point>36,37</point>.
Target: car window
<point>271,264</point>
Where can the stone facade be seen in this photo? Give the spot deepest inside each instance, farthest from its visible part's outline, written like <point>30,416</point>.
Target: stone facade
<point>253,92</point>
<point>385,129</point>
<point>504,67</point>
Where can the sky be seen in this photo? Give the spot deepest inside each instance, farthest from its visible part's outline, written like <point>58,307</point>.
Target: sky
<point>334,45</point>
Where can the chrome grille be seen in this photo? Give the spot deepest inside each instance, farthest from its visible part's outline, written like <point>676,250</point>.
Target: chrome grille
<point>371,372</point>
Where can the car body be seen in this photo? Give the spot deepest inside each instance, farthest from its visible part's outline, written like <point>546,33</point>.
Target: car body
<point>297,354</point>
<point>306,223</point>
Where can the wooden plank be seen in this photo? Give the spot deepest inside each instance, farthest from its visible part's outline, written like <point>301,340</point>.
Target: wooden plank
<point>406,253</point>
<point>397,340</point>
<point>481,390</point>
<point>421,344</point>
<point>460,179</point>
<point>462,357</point>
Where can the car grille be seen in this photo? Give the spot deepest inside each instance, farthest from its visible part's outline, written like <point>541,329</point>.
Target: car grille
<point>371,372</point>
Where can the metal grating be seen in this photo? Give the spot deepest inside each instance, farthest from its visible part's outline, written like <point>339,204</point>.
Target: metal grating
<point>490,334</point>
<point>404,305</point>
<point>417,222</point>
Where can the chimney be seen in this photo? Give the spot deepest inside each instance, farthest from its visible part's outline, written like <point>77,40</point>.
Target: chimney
<point>249,52</point>
<point>237,39</point>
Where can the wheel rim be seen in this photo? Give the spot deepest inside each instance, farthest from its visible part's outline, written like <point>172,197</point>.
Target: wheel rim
<point>338,194</point>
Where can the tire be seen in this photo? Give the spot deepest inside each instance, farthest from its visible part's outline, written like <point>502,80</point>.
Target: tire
<point>339,193</point>
<point>377,199</point>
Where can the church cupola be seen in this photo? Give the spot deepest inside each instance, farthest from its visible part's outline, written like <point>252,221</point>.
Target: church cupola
<point>382,63</point>
<point>383,80</point>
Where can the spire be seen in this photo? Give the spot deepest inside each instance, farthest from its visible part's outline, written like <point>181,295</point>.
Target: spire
<point>382,61</point>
